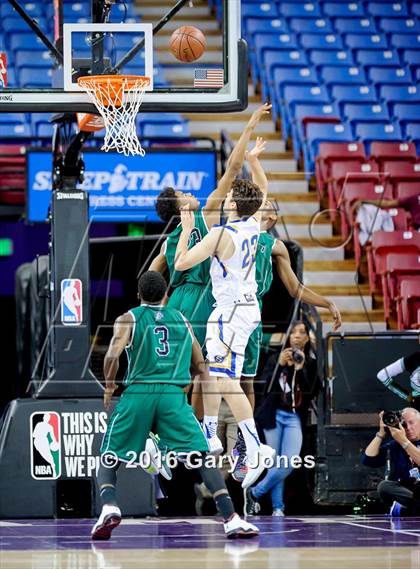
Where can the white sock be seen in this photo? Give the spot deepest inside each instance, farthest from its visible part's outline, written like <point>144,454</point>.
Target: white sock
<point>390,371</point>
<point>210,425</point>
<point>249,431</point>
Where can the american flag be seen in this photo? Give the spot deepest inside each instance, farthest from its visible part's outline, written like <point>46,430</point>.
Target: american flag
<point>208,78</point>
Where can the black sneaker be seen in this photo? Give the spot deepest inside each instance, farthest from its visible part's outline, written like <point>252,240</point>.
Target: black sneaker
<point>239,452</point>
<point>251,505</point>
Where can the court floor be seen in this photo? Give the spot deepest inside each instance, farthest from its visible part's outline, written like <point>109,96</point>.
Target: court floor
<point>346,542</point>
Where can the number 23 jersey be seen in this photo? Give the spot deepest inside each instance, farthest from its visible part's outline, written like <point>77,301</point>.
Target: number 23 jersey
<point>160,348</point>
<point>233,280</point>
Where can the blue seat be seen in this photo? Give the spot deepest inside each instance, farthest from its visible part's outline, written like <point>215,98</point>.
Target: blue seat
<point>355,26</point>
<point>76,10</point>
<point>15,131</point>
<point>411,56</point>
<point>399,25</point>
<point>361,113</point>
<point>311,26</point>
<point>264,42</point>
<point>377,57</point>
<point>34,77</point>
<point>26,58</point>
<point>317,133</point>
<point>259,25</point>
<point>384,10</point>
<point>405,41</point>
<point>399,94</point>
<point>25,40</point>
<point>13,24</point>
<point>34,9</point>
<point>176,130</point>
<point>406,113</point>
<point>12,118</point>
<point>294,95</point>
<point>274,59</point>
<point>328,57</point>
<point>389,75</point>
<point>412,132</point>
<point>160,118</point>
<point>365,41</point>
<point>321,41</point>
<point>44,130</point>
<point>343,9</point>
<point>297,10</point>
<point>302,111</point>
<point>259,10</point>
<point>415,9</point>
<point>11,77</point>
<point>343,75</point>
<point>353,94</point>
<point>283,77</point>
<point>368,132</point>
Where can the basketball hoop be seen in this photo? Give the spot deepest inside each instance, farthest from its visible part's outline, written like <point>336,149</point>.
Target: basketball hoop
<point>118,99</point>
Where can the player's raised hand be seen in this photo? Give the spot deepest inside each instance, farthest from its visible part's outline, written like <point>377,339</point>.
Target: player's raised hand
<point>258,114</point>
<point>336,316</point>
<point>187,218</point>
<point>258,149</point>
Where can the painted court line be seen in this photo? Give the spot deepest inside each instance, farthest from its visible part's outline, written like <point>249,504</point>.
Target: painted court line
<point>394,531</point>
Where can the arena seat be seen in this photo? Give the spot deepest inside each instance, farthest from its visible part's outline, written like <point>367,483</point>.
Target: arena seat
<point>369,132</point>
<point>342,75</point>
<point>384,10</point>
<point>365,41</point>
<point>399,25</point>
<point>311,26</point>
<point>296,10</point>
<point>399,94</point>
<point>353,94</point>
<point>330,151</point>
<point>412,132</point>
<point>356,191</point>
<point>273,42</point>
<point>401,171</point>
<point>314,112</point>
<point>321,41</point>
<point>284,76</point>
<point>407,189</point>
<point>404,41</point>
<point>259,10</point>
<point>377,58</point>
<point>361,25</point>
<point>383,151</point>
<point>320,57</point>
<point>293,95</point>
<point>258,25</point>
<point>171,131</point>
<point>359,113</point>
<point>343,9</point>
<point>407,113</point>
<point>384,242</point>
<point>408,302</point>
<point>317,133</point>
<point>347,171</point>
<point>389,76</point>
<point>397,266</point>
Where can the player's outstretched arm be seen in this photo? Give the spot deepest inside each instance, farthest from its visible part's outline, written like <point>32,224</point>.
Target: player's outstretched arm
<point>120,339</point>
<point>212,209</point>
<point>186,258</point>
<point>297,289</point>
<point>159,262</point>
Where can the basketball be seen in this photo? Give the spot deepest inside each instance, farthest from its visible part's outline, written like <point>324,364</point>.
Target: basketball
<point>187,44</point>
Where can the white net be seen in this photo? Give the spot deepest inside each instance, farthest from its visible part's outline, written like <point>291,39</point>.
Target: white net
<point>118,99</point>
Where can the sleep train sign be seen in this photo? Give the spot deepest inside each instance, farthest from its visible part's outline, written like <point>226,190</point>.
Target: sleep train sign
<point>62,444</point>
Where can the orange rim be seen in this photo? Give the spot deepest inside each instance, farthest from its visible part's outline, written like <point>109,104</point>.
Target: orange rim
<point>116,79</point>
<point>107,88</point>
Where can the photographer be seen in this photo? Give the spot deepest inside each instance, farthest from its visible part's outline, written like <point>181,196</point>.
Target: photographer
<point>402,489</point>
<point>291,383</point>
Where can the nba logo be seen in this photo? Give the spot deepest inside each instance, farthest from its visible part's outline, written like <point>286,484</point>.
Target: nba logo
<point>45,445</point>
<point>3,70</point>
<point>71,302</point>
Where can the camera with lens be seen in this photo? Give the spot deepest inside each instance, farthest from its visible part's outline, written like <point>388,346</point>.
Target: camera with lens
<point>297,356</point>
<point>391,418</point>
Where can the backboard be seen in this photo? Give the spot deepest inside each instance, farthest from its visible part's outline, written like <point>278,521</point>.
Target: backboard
<point>98,37</point>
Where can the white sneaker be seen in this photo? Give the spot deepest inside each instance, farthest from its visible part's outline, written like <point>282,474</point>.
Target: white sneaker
<point>236,528</point>
<point>278,513</point>
<point>257,462</point>
<point>215,445</point>
<point>158,464</point>
<point>109,519</point>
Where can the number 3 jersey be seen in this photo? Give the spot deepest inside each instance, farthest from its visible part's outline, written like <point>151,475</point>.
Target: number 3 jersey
<point>233,280</point>
<point>160,348</point>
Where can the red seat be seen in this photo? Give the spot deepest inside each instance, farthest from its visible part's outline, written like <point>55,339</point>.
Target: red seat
<point>407,189</point>
<point>12,197</point>
<point>353,192</point>
<point>330,151</point>
<point>383,151</point>
<point>346,172</point>
<point>408,302</point>
<point>397,266</point>
<point>397,171</point>
<point>12,149</point>
<point>384,242</point>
